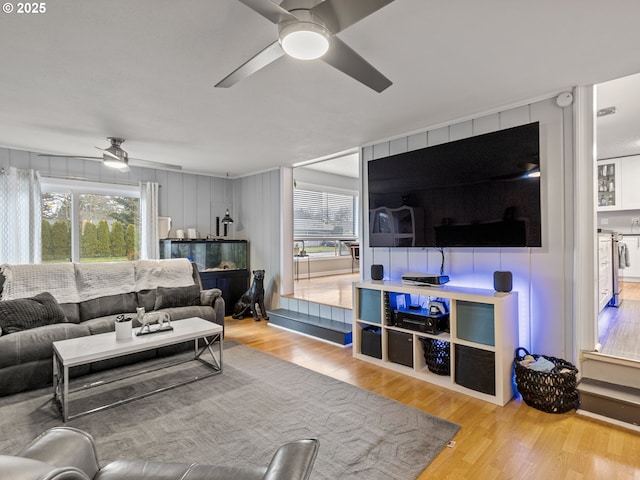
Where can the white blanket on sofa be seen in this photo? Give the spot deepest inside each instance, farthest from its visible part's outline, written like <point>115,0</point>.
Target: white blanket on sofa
<point>103,279</point>
<point>23,281</point>
<point>151,274</point>
<point>78,282</point>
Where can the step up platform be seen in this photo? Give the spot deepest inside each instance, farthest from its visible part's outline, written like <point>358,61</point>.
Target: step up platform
<point>314,326</point>
<point>610,401</point>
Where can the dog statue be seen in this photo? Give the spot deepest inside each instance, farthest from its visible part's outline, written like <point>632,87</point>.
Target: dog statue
<point>253,299</point>
<point>147,319</point>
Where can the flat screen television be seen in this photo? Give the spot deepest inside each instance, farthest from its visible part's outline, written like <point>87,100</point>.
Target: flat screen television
<point>481,191</point>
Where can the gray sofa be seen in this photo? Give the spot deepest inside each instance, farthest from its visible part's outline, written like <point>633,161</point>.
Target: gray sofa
<point>65,453</point>
<point>44,303</point>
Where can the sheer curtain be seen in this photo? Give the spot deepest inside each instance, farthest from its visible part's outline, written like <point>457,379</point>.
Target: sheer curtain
<point>20,216</point>
<point>149,247</point>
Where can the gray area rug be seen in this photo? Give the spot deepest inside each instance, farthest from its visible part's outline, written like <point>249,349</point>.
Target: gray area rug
<point>241,416</point>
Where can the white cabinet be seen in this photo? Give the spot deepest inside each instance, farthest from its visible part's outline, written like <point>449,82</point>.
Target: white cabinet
<point>605,273</point>
<point>619,184</point>
<point>608,194</point>
<point>474,357</point>
<point>629,181</point>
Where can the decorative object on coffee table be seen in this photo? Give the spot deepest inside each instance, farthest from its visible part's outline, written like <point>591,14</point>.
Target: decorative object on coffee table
<point>123,328</point>
<point>253,299</point>
<point>148,319</point>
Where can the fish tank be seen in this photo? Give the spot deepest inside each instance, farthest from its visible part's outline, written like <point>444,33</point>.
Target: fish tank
<point>209,255</point>
<point>222,264</point>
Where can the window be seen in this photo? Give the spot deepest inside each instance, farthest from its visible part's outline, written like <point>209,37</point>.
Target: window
<point>324,220</point>
<point>88,222</point>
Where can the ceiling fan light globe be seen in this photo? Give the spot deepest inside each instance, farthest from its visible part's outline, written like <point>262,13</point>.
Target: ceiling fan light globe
<point>304,40</point>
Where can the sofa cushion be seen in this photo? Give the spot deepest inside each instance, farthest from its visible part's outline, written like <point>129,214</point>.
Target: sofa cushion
<point>27,313</point>
<point>104,324</point>
<point>108,305</point>
<point>71,311</point>
<point>202,311</point>
<point>177,297</point>
<point>36,343</point>
<point>147,299</point>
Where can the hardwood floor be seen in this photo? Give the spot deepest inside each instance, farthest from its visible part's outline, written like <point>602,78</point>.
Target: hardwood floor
<point>619,327</point>
<point>329,290</point>
<point>511,442</point>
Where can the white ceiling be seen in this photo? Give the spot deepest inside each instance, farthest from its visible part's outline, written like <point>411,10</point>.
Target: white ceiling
<point>145,69</point>
<point>618,134</point>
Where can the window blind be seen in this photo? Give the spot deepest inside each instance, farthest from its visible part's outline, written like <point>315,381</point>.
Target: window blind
<point>324,214</point>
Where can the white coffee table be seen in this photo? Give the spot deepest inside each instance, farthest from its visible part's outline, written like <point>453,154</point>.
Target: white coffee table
<point>93,348</point>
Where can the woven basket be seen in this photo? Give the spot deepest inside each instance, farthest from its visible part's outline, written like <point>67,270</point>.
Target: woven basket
<point>436,355</point>
<point>552,392</point>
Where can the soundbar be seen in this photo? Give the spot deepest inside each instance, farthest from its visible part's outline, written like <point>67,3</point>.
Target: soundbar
<point>424,279</point>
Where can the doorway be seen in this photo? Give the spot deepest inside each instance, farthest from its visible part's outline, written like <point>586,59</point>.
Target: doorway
<point>326,222</point>
<point>618,211</point>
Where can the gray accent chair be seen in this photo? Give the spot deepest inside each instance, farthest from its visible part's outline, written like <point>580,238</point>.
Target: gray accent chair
<point>65,453</point>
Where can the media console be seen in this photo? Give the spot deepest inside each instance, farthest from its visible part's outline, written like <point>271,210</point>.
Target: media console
<point>475,357</point>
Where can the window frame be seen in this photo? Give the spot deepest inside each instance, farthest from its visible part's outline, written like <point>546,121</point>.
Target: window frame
<point>354,194</point>
<point>79,187</point>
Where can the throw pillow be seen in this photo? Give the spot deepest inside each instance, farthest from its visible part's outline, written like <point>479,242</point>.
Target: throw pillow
<point>26,313</point>
<point>177,297</point>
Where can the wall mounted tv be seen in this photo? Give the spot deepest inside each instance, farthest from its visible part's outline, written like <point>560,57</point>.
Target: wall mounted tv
<point>482,191</point>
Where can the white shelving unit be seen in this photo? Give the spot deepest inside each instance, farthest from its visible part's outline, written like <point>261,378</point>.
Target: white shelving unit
<point>483,337</point>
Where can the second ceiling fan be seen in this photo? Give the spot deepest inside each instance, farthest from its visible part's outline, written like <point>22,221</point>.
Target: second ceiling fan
<point>307,30</point>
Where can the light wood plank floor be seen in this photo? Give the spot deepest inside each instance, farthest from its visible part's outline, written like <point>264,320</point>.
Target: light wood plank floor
<point>333,290</point>
<point>512,442</point>
<point>619,327</point>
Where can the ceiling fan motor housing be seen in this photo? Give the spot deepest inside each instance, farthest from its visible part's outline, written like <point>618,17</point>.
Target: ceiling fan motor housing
<point>306,38</point>
<point>115,148</point>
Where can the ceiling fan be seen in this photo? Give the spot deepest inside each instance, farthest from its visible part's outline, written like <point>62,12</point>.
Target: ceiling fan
<point>307,30</point>
<point>115,157</point>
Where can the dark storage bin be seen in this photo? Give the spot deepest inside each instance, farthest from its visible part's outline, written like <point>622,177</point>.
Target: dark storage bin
<point>475,369</point>
<point>437,355</point>
<point>400,348</point>
<point>371,341</point>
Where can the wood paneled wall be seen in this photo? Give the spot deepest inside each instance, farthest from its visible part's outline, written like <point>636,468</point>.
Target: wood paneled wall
<point>257,217</point>
<point>192,201</point>
<point>542,276</point>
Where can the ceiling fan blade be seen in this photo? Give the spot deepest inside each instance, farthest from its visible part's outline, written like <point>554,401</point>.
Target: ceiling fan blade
<point>269,10</point>
<point>69,156</point>
<point>258,61</point>
<point>345,59</point>
<point>107,152</point>
<point>134,162</point>
<point>339,14</point>
<point>137,162</point>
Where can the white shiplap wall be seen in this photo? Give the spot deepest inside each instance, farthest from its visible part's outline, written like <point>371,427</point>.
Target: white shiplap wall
<point>192,201</point>
<point>542,276</point>
<point>257,218</point>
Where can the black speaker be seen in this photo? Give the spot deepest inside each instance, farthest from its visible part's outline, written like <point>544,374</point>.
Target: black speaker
<point>502,281</point>
<point>377,272</point>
